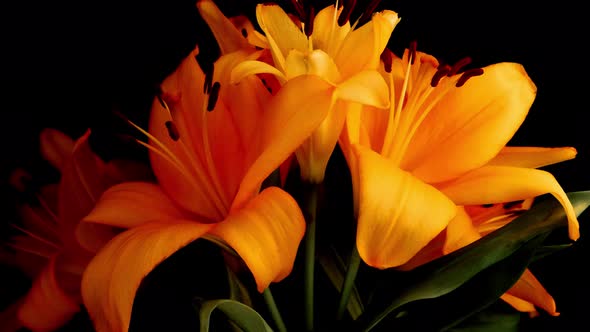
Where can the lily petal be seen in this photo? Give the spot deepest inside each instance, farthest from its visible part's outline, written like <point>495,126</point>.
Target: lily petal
<point>292,115</point>
<point>56,147</point>
<point>365,87</point>
<point>529,289</point>
<point>132,204</point>
<point>251,67</point>
<point>471,124</point>
<point>398,214</point>
<point>113,276</point>
<point>316,62</point>
<point>266,234</point>
<point>226,34</point>
<point>532,157</point>
<point>498,184</point>
<point>327,35</point>
<point>47,307</point>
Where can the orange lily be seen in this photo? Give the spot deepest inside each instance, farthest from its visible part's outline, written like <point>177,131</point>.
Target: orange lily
<point>52,249</point>
<point>338,61</point>
<point>210,150</point>
<point>441,143</point>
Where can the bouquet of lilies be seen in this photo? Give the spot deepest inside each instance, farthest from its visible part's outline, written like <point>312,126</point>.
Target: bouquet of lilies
<point>369,190</point>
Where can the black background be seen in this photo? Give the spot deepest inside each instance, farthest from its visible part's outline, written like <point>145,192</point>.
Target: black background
<point>68,65</point>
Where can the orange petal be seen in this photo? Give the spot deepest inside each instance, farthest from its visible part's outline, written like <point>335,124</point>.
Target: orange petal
<point>266,234</point>
<point>327,35</point>
<point>529,289</point>
<point>398,214</point>
<point>471,124</point>
<point>292,115</point>
<point>460,232</point>
<point>532,157</point>
<point>226,34</point>
<point>499,184</point>
<point>113,276</point>
<point>47,307</point>
<point>131,204</point>
<point>520,305</point>
<point>56,147</point>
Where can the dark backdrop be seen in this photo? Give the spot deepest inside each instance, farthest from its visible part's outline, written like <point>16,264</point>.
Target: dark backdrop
<point>70,64</point>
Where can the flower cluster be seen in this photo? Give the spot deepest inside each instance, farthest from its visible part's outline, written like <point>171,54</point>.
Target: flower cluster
<point>432,180</point>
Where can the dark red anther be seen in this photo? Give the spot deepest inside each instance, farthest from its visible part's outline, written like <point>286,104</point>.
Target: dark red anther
<point>440,73</point>
<point>346,12</point>
<point>172,130</point>
<point>387,58</point>
<point>366,16</point>
<point>412,49</point>
<point>213,95</point>
<point>299,9</point>
<point>309,21</point>
<point>467,75</point>
<point>459,65</point>
<point>244,33</point>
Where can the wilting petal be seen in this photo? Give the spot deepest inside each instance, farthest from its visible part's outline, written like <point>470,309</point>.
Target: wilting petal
<point>292,115</point>
<point>498,184</point>
<point>398,214</point>
<point>56,147</point>
<point>363,47</point>
<point>529,289</point>
<point>113,276</point>
<point>131,204</point>
<point>532,157</point>
<point>471,124</point>
<point>266,234</point>
<point>228,37</point>
<point>47,306</point>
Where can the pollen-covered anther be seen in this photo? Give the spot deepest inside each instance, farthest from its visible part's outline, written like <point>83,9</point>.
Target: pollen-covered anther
<point>441,72</point>
<point>172,130</point>
<point>387,58</point>
<point>459,65</point>
<point>213,96</point>
<point>467,75</point>
<point>346,11</point>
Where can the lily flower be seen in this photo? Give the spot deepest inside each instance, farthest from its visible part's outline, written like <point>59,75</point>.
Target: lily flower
<point>441,143</point>
<point>50,247</point>
<point>323,64</point>
<point>211,145</point>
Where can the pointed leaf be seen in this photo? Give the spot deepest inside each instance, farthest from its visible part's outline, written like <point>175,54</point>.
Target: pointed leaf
<point>244,316</point>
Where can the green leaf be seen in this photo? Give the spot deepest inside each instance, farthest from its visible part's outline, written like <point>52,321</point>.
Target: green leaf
<point>491,321</point>
<point>237,290</point>
<point>449,272</point>
<point>545,251</point>
<point>335,269</point>
<point>242,315</point>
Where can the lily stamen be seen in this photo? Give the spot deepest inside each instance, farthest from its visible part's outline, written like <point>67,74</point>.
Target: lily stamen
<point>467,75</point>
<point>346,12</point>
<point>172,130</point>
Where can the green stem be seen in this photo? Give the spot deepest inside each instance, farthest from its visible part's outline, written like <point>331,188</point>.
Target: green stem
<point>311,205</point>
<point>274,310</point>
<point>348,284</point>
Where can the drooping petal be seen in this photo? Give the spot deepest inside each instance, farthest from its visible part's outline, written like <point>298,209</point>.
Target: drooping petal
<point>529,289</point>
<point>362,48</point>
<point>113,276</point>
<point>228,37</point>
<point>47,307</point>
<point>55,146</point>
<point>131,204</point>
<point>292,115</point>
<point>532,157</point>
<point>498,184</point>
<point>398,214</point>
<point>266,234</point>
<point>471,124</point>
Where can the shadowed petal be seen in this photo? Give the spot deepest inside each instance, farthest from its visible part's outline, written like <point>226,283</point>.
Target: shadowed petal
<point>266,234</point>
<point>113,276</point>
<point>56,147</point>
<point>398,214</point>
<point>498,184</point>
<point>529,289</point>
<point>226,34</point>
<point>532,157</point>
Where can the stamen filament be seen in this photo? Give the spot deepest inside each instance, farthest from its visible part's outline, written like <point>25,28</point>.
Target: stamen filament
<point>36,237</point>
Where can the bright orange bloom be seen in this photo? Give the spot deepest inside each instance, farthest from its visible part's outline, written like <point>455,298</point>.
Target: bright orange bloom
<point>212,143</point>
<point>440,144</point>
<point>324,66</point>
<point>52,249</point>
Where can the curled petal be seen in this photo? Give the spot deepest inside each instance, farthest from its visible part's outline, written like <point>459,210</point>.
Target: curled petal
<point>56,147</point>
<point>266,234</point>
<point>498,184</point>
<point>532,157</point>
<point>113,276</point>
<point>131,204</point>
<point>520,305</point>
<point>47,307</point>
<point>398,214</point>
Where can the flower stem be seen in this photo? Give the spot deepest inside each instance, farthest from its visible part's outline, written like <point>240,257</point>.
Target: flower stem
<point>274,310</point>
<point>310,209</point>
<point>348,284</point>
